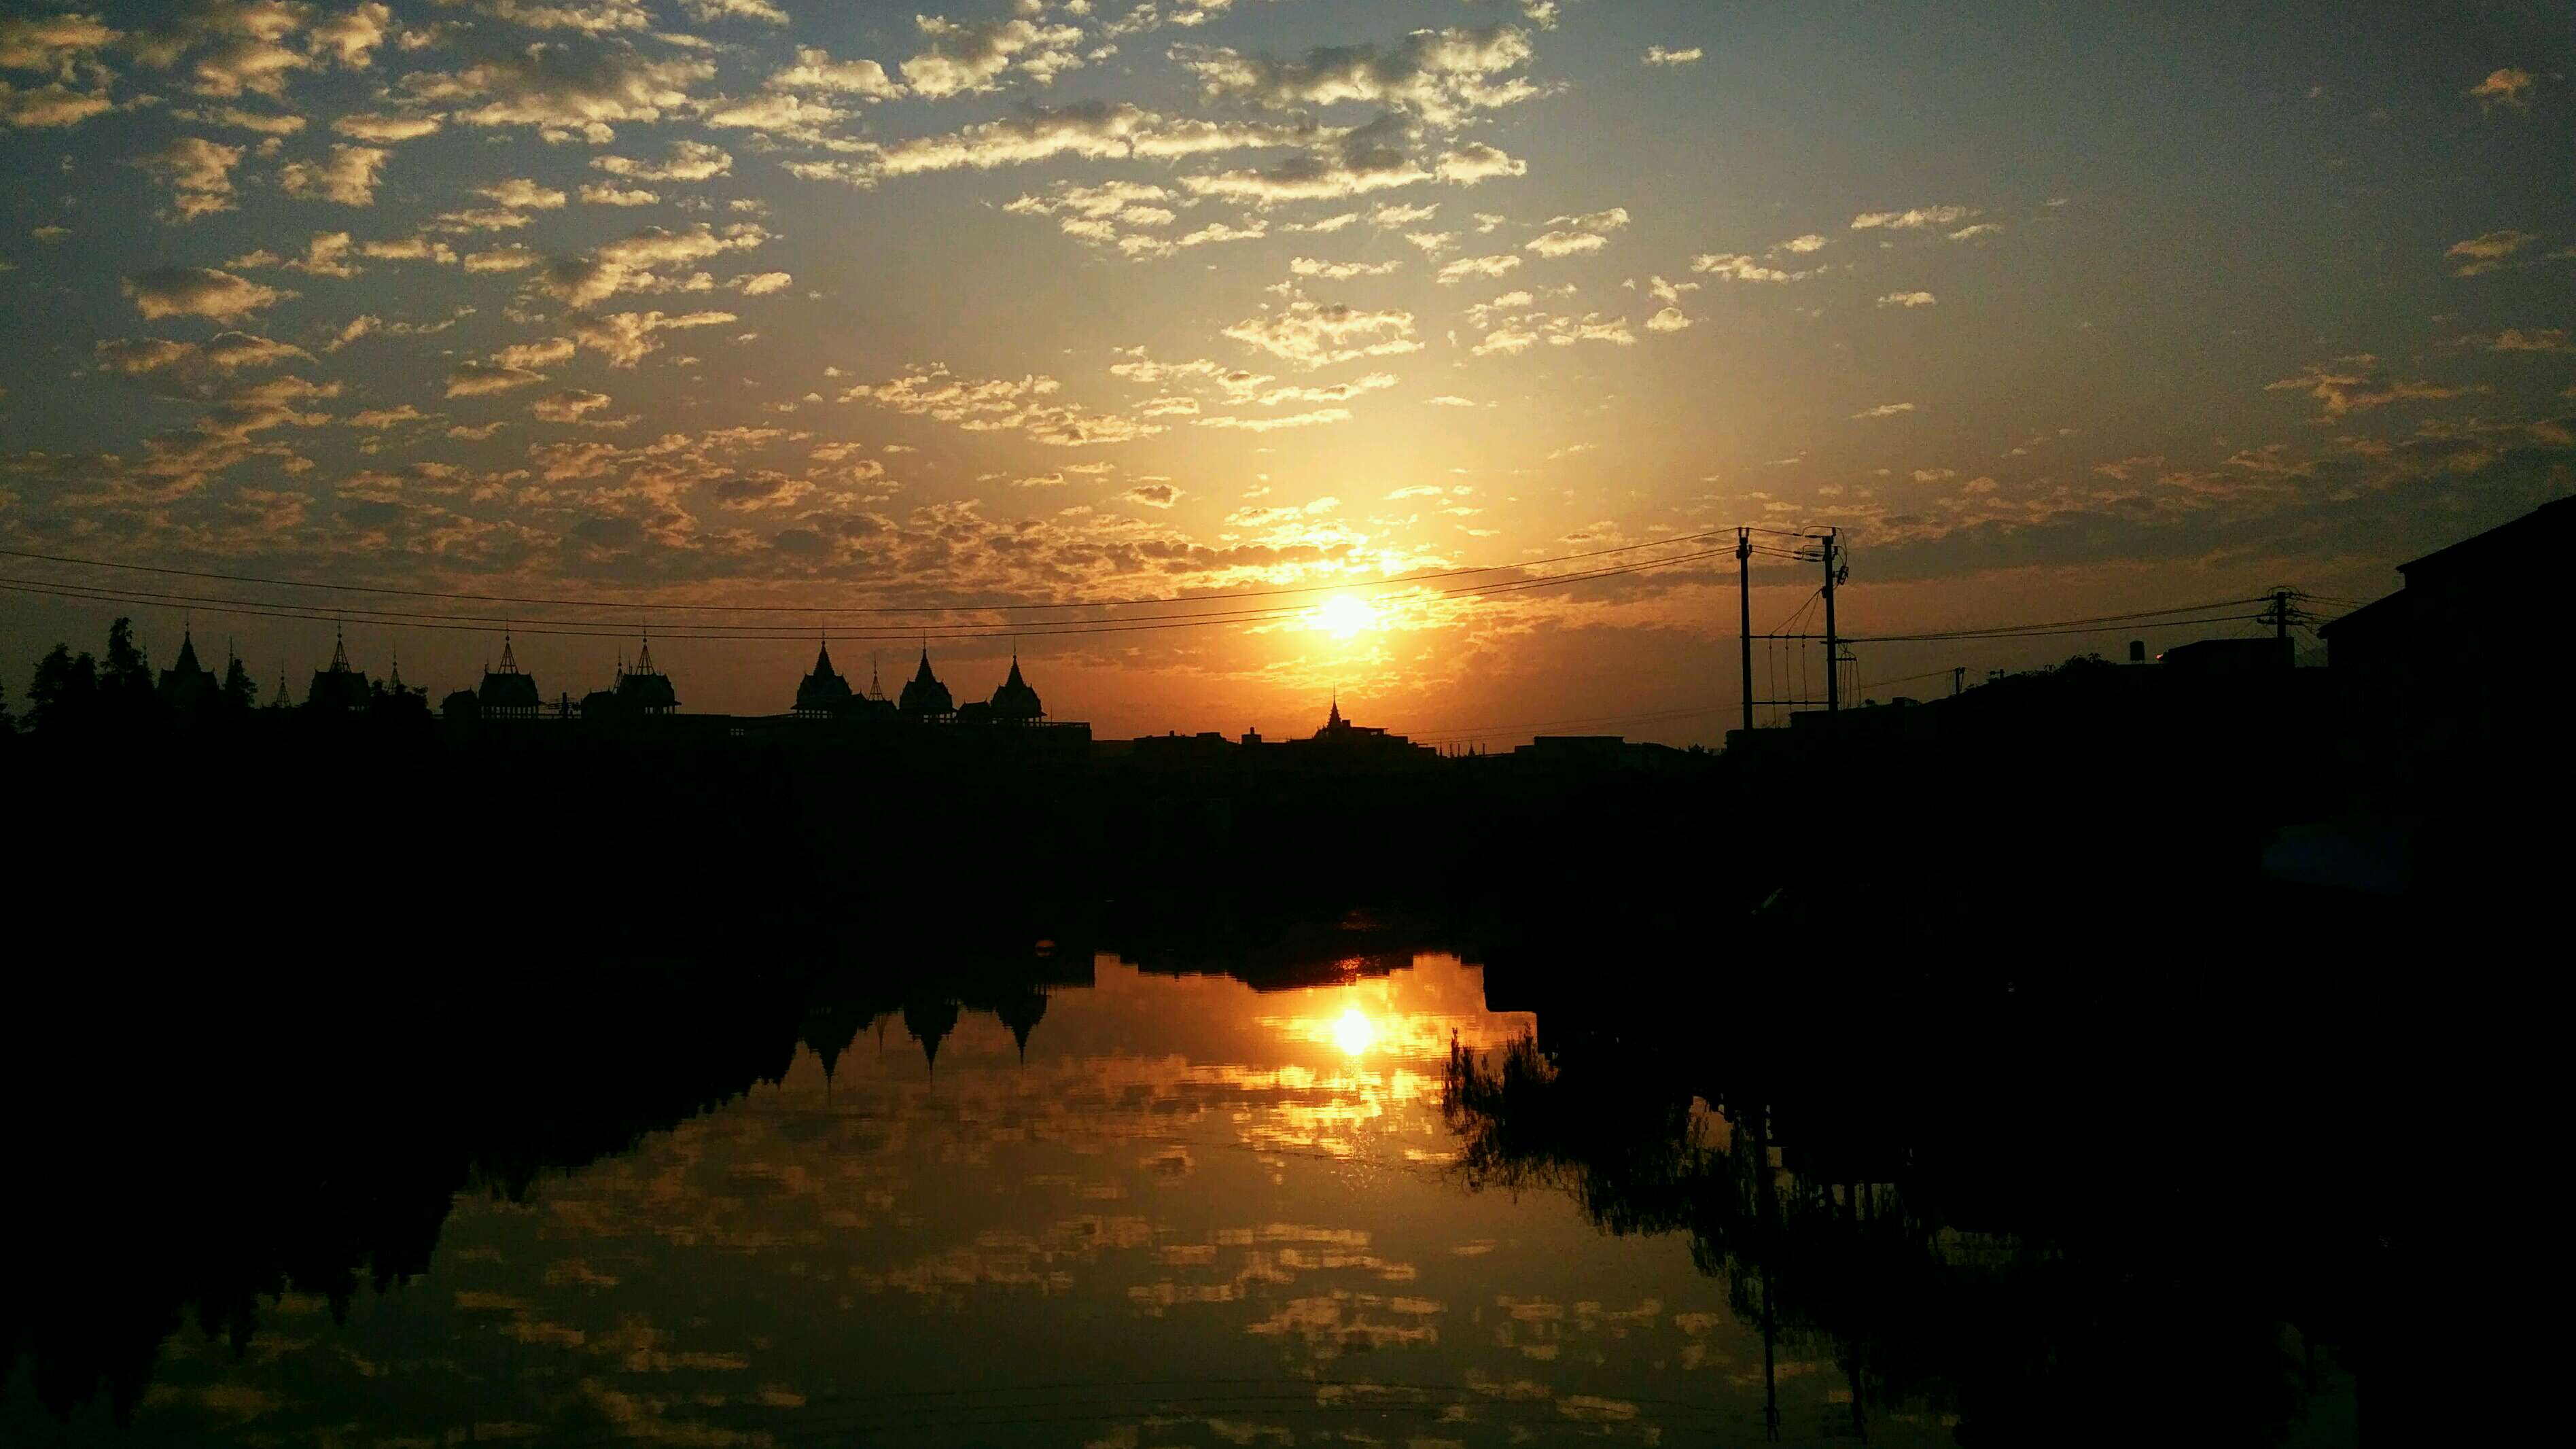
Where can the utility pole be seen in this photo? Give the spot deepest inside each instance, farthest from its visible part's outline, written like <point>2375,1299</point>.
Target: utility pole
<point>2281,624</point>
<point>1833,642</point>
<point>1744,615</point>
<point>1958,680</point>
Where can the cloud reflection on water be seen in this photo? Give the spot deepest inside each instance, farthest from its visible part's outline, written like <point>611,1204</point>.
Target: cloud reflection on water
<point>1193,1214</point>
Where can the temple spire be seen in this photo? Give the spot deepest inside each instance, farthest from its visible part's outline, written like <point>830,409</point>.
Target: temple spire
<point>339,651</point>
<point>509,659</point>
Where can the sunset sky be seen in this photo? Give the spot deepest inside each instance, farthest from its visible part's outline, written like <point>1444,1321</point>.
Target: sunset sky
<point>2057,310</point>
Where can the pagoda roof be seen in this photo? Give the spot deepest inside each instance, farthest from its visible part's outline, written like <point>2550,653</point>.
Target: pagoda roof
<point>509,689</point>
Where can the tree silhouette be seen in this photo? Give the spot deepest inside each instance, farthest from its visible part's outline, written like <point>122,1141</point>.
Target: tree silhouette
<point>125,676</point>
<point>240,690</point>
<point>64,694</point>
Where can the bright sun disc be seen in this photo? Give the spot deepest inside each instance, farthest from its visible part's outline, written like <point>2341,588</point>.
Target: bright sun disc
<point>1343,616</point>
<point>1354,1033</point>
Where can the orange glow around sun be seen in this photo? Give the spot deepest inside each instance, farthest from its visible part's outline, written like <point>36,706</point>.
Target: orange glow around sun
<point>1346,615</point>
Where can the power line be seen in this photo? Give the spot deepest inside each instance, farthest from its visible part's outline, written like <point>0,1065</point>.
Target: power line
<point>2001,631</point>
<point>2036,632</point>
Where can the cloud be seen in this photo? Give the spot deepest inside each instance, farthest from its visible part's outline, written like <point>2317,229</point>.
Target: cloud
<point>2486,253</point>
<point>1475,161</point>
<point>2516,339</point>
<point>815,70</point>
<point>1465,267</point>
<point>475,378</point>
<point>1096,213</point>
<point>1150,246</point>
<point>688,161</point>
<point>1657,55</point>
<point>351,36</point>
<point>1342,271</point>
<point>1573,234</point>
<point>1153,495</point>
<point>512,258</point>
<point>1313,334</point>
<point>1270,425</point>
<point>198,292</point>
<point>2357,384</point>
<point>521,194</point>
<point>711,10</point>
<point>228,49</point>
<point>1441,76</point>
<point>50,42</point>
<point>1908,299</point>
<point>2504,86</point>
<point>630,264</point>
<point>1912,219</point>
<point>1971,233</point>
<point>574,87</point>
<point>1522,333</point>
<point>1801,245</point>
<point>1098,130</point>
<point>1369,158</point>
<point>385,130</point>
<point>760,284</point>
<point>1885,410</point>
<point>266,125</point>
<point>50,106</point>
<point>1737,267</point>
<point>225,352</point>
<point>627,338</point>
<point>568,406</point>
<point>377,420</point>
<point>348,178</point>
<point>1670,319</point>
<point>198,173</point>
<point>998,405</point>
<point>974,55</point>
<point>593,194</point>
<point>325,255</point>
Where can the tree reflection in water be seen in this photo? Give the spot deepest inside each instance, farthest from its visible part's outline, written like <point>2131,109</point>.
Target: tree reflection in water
<point>2153,1298</point>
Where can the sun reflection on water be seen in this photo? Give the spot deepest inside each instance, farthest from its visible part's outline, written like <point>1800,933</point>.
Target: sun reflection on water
<point>1354,1033</point>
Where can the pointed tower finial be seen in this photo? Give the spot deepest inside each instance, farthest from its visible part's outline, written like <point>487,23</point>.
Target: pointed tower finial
<point>509,656</point>
<point>339,650</point>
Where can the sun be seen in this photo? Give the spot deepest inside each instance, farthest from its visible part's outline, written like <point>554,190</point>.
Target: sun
<point>1344,615</point>
<point>1354,1033</point>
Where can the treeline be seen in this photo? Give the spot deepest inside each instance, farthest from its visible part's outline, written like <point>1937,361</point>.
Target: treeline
<point>119,695</point>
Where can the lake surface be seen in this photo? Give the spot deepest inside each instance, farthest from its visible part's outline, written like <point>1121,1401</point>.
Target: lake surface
<point>1150,1210</point>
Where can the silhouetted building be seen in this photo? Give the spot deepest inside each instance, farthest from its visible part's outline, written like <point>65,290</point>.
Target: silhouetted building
<point>2434,682</point>
<point>2228,656</point>
<point>924,699</point>
<point>644,690</point>
<point>1347,741</point>
<point>338,687</point>
<point>1015,702</point>
<point>187,685</point>
<point>505,692</point>
<point>823,694</point>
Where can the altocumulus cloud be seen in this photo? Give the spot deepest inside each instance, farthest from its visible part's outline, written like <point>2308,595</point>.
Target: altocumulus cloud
<point>199,292</point>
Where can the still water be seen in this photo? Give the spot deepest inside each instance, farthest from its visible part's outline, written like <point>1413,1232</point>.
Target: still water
<point>1150,1210</point>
